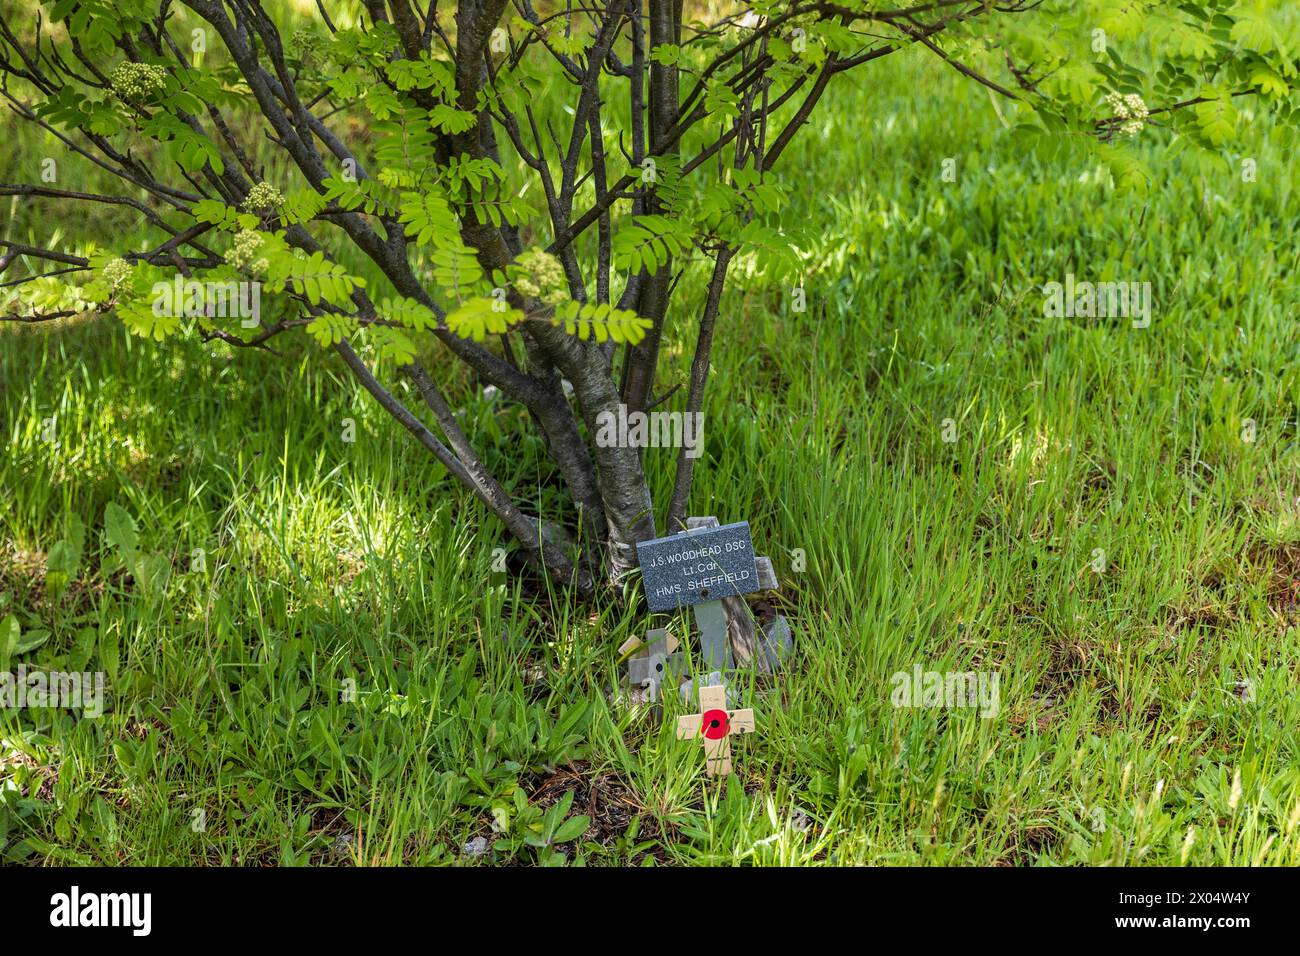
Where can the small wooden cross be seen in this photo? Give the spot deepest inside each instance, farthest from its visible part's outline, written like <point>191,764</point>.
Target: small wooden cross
<point>715,724</point>
<point>653,661</point>
<point>642,647</point>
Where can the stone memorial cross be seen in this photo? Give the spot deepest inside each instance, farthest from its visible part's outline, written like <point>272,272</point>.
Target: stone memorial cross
<point>698,569</point>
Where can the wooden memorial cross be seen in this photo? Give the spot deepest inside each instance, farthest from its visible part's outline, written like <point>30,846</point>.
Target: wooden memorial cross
<point>698,569</point>
<point>715,724</point>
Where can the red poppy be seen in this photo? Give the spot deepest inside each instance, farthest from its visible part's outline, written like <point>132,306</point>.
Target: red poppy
<point>715,725</point>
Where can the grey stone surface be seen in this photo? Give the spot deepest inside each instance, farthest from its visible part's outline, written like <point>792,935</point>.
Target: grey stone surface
<point>475,847</point>
<point>767,579</point>
<point>697,566</point>
<point>711,619</point>
<point>713,678</point>
<point>778,641</point>
<point>343,844</point>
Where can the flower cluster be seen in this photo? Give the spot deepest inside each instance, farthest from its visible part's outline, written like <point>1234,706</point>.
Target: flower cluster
<point>138,80</point>
<point>1131,109</point>
<point>263,196</point>
<point>307,43</point>
<point>244,249</point>
<point>542,277</point>
<point>116,272</point>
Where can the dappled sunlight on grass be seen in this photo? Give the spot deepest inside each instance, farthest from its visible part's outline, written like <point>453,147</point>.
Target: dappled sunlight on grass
<point>942,473</point>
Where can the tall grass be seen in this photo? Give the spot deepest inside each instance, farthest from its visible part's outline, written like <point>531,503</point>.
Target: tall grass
<point>348,679</point>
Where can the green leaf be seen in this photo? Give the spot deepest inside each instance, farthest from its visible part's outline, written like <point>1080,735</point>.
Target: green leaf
<point>151,573</point>
<point>1254,30</point>
<point>571,829</point>
<point>450,119</point>
<point>668,54</point>
<point>110,655</point>
<point>649,242</point>
<point>479,316</point>
<point>1217,120</point>
<point>1126,170</point>
<point>602,321</point>
<point>1188,41</point>
<point>142,319</point>
<point>456,270</point>
<point>105,820</point>
<point>1076,82</point>
<point>121,532</point>
<point>430,221</point>
<point>392,344</point>
<point>314,277</point>
<point>1269,83</point>
<point>302,205</point>
<point>329,328</point>
<point>31,640</point>
<point>64,559</point>
<point>410,313</point>
<point>215,212</point>
<point>10,633</point>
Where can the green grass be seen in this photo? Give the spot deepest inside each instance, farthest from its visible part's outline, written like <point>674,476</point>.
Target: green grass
<point>1123,735</point>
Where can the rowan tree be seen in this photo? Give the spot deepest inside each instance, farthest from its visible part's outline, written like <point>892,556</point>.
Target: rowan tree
<point>534,179</point>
